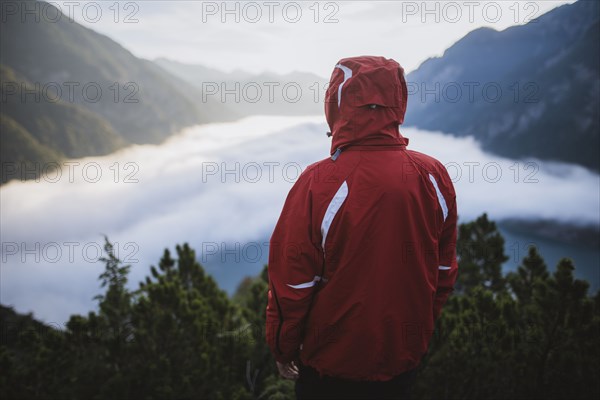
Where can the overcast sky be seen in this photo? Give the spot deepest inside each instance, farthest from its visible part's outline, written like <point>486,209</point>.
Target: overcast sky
<point>302,35</point>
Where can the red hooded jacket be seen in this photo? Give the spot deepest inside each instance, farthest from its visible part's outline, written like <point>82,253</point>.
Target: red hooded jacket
<point>364,253</point>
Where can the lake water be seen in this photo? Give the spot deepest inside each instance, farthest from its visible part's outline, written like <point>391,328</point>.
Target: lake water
<point>220,187</point>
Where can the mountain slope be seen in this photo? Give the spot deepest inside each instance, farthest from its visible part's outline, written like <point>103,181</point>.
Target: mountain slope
<point>55,125</point>
<point>34,134</point>
<point>92,95</point>
<point>527,91</point>
<point>295,93</point>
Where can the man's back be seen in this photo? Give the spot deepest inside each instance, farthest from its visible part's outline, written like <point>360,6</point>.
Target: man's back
<point>363,256</point>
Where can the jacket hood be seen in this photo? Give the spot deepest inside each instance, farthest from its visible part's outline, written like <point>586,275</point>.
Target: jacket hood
<point>365,102</point>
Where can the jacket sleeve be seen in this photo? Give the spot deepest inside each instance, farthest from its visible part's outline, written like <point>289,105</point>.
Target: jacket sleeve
<point>448,268</point>
<point>295,266</point>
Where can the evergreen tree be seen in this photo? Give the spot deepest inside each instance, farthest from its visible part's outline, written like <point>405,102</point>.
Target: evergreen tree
<point>262,373</point>
<point>480,253</point>
<point>188,342</point>
<point>532,272</point>
<point>531,334</point>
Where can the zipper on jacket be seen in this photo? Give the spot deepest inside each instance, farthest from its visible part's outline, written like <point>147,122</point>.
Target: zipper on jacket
<point>336,154</point>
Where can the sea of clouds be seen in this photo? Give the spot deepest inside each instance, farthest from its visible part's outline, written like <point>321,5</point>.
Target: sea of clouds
<point>225,183</point>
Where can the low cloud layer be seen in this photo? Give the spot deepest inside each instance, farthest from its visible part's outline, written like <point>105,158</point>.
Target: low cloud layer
<point>224,183</point>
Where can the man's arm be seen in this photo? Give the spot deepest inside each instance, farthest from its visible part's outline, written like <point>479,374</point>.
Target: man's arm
<point>295,264</point>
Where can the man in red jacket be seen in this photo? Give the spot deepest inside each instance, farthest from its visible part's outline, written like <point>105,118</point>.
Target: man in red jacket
<point>364,254</point>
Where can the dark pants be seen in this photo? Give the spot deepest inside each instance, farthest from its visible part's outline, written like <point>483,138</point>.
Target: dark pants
<point>310,386</point>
